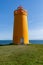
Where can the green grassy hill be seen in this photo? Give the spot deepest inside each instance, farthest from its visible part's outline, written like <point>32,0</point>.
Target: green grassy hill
<point>31,54</point>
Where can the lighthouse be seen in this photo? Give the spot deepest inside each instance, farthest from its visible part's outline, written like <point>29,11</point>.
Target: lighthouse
<point>20,28</point>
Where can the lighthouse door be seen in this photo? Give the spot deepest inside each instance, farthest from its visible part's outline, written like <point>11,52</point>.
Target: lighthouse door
<point>22,40</point>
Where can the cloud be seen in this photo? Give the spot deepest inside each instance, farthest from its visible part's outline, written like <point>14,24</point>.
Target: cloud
<point>36,34</point>
<point>5,36</point>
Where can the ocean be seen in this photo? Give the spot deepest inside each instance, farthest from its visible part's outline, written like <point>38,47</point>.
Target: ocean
<point>36,41</point>
<point>2,42</point>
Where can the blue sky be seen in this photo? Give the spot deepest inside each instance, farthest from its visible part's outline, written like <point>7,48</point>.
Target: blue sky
<point>35,17</point>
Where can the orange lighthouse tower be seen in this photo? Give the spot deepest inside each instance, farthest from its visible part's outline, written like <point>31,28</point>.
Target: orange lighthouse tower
<point>20,30</point>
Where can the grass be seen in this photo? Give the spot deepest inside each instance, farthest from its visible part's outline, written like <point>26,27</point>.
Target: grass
<point>31,54</point>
